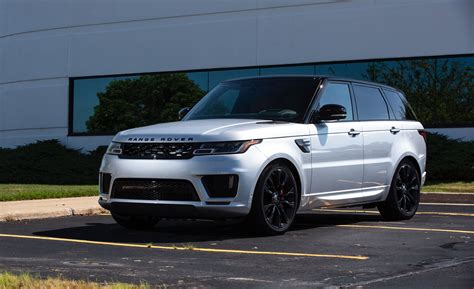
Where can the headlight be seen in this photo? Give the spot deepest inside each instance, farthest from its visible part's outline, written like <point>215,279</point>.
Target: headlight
<point>231,147</point>
<point>114,148</point>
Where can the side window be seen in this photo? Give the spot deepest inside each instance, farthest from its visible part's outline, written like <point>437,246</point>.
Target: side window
<point>410,114</point>
<point>338,93</point>
<point>400,106</point>
<point>370,103</point>
<point>397,104</point>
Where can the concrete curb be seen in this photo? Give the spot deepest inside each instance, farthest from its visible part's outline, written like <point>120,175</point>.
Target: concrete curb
<point>447,197</point>
<point>49,208</point>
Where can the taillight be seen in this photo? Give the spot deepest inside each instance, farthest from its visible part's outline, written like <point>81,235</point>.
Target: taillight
<point>423,133</point>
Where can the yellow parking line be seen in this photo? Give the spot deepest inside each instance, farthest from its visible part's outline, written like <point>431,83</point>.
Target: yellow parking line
<point>408,229</point>
<point>375,212</point>
<point>447,204</point>
<point>210,250</point>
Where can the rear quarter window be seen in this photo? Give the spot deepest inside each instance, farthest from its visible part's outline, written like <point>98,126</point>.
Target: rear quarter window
<point>399,105</point>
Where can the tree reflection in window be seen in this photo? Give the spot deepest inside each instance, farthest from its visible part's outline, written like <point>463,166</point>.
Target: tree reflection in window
<point>141,101</point>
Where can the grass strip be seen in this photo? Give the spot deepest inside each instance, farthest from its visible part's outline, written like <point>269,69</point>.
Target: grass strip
<point>17,192</point>
<point>24,280</point>
<point>462,187</point>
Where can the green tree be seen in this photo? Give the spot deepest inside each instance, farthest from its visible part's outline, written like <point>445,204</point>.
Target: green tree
<point>440,90</point>
<point>142,101</point>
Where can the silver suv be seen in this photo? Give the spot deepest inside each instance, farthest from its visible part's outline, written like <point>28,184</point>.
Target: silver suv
<point>265,148</point>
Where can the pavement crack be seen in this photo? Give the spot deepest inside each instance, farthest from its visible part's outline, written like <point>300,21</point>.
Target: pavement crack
<point>431,267</point>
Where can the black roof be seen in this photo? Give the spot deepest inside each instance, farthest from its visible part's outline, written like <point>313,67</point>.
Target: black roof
<point>315,76</point>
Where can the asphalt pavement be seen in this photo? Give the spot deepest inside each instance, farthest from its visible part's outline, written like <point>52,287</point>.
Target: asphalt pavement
<point>331,247</point>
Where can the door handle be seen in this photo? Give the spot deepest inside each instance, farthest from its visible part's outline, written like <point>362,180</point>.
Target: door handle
<point>353,132</point>
<point>394,130</point>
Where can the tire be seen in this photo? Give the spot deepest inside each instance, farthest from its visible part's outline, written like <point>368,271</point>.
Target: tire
<point>404,195</point>
<point>275,201</point>
<point>135,222</point>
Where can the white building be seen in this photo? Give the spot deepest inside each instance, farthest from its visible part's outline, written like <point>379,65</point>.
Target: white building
<point>54,53</point>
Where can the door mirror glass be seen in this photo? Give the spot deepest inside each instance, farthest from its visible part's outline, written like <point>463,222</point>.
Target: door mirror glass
<point>182,112</point>
<point>330,112</point>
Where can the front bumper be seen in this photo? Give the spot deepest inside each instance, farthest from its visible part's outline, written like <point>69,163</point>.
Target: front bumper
<point>247,166</point>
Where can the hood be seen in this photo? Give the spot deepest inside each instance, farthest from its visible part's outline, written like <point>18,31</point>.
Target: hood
<point>209,130</point>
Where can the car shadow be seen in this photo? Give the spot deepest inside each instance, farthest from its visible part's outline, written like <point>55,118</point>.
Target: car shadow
<point>188,231</point>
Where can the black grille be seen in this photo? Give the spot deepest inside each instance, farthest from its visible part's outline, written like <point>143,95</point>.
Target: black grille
<point>157,150</point>
<point>154,189</point>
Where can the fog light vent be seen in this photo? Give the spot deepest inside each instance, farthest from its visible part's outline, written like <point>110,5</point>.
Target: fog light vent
<point>221,186</point>
<point>104,183</point>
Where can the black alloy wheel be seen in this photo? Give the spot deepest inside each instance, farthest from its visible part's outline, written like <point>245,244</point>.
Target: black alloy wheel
<point>404,196</point>
<point>275,200</point>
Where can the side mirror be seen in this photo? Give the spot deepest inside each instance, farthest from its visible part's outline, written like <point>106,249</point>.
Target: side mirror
<point>329,112</point>
<point>182,112</point>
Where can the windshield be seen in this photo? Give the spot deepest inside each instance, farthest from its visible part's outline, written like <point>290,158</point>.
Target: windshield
<point>280,98</point>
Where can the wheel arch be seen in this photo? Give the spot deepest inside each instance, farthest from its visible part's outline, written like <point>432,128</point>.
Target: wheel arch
<point>410,158</point>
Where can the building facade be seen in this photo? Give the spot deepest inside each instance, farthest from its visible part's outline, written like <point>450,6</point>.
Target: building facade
<point>61,62</point>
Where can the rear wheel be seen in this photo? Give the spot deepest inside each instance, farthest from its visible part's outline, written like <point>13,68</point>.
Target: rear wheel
<point>135,222</point>
<point>404,195</point>
<point>275,200</point>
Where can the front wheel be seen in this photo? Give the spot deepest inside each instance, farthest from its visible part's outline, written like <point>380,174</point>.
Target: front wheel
<point>275,200</point>
<point>404,195</point>
<point>135,222</point>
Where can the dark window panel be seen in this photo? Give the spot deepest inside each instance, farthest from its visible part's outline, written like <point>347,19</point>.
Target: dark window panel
<point>85,99</point>
<point>370,103</point>
<point>338,93</point>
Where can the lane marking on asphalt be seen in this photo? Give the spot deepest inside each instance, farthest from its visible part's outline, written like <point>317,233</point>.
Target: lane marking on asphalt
<point>447,204</point>
<point>377,213</point>
<point>209,250</point>
<point>407,229</point>
<point>447,193</point>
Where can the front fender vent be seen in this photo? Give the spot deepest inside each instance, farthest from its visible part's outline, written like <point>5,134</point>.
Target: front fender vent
<point>304,144</point>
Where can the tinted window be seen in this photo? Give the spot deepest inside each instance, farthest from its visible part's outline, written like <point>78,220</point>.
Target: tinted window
<point>410,114</point>
<point>264,98</point>
<point>370,103</point>
<point>399,105</point>
<point>337,93</point>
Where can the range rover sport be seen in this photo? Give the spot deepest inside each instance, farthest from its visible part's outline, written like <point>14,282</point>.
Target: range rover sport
<point>266,148</point>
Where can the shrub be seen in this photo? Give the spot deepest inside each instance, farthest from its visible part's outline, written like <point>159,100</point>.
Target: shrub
<point>49,162</point>
<point>449,160</point>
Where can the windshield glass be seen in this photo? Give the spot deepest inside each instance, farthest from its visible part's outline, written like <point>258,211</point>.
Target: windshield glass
<point>280,98</point>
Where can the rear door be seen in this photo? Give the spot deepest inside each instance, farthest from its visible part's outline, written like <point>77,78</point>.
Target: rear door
<point>381,135</point>
<point>409,125</point>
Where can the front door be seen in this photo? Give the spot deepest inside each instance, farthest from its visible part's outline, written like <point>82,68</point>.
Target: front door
<point>336,149</point>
